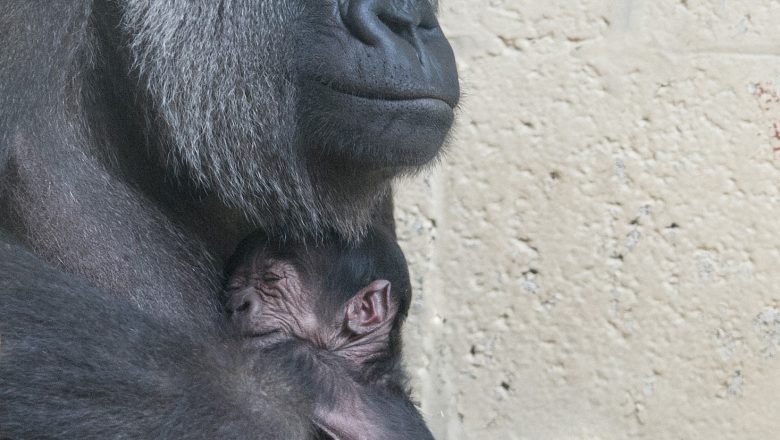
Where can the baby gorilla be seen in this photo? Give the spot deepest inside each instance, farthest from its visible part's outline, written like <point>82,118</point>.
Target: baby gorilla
<point>347,299</point>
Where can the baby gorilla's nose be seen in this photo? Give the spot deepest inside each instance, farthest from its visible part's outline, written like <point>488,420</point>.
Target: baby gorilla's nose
<point>243,302</point>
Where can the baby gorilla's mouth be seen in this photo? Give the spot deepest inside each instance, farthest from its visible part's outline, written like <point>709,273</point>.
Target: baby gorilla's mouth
<point>264,339</point>
<point>262,334</point>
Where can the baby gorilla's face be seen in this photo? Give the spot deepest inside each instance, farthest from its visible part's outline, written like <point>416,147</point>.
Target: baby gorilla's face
<point>269,300</point>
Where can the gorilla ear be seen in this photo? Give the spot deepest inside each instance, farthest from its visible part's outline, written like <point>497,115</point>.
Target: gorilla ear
<point>370,308</point>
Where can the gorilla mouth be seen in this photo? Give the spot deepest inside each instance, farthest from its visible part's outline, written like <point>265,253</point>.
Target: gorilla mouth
<point>262,334</point>
<point>374,126</point>
<point>385,94</point>
<point>264,339</point>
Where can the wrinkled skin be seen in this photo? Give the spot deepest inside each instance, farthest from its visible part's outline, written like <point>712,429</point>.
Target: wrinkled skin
<point>266,297</point>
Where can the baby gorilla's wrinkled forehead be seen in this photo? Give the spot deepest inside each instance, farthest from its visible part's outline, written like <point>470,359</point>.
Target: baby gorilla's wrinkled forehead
<point>349,299</point>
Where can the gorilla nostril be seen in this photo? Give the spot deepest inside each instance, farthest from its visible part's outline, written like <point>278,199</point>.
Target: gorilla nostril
<point>401,28</point>
<point>244,307</point>
<point>242,303</point>
<point>399,25</point>
<point>388,22</point>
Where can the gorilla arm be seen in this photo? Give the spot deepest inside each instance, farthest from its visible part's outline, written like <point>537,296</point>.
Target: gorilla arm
<point>75,363</point>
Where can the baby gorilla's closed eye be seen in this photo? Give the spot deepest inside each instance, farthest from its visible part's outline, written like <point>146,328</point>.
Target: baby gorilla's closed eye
<point>269,278</point>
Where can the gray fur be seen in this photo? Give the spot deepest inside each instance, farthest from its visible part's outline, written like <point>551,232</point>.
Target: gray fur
<point>224,101</point>
<point>141,140</point>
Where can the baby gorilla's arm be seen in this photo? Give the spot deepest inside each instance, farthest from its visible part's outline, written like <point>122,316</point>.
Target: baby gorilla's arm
<point>345,408</point>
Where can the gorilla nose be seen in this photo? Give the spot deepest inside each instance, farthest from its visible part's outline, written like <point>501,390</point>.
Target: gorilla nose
<point>244,302</point>
<point>389,22</point>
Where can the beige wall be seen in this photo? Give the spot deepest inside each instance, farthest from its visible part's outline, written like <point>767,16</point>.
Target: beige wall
<point>598,256</point>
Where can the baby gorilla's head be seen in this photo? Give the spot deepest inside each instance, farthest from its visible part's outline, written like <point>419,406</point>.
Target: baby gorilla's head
<point>348,299</point>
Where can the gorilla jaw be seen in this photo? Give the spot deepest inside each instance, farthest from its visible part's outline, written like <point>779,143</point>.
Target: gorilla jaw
<point>222,102</point>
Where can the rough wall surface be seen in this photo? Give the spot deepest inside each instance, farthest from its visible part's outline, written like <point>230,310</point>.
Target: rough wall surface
<point>599,254</point>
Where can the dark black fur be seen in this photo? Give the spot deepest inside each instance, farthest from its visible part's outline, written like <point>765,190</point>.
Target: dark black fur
<point>75,363</point>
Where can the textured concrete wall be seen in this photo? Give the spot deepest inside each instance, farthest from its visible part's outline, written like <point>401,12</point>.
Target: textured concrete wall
<point>599,254</point>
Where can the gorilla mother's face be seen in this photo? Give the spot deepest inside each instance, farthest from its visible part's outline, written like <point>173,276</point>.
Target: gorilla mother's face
<point>301,107</point>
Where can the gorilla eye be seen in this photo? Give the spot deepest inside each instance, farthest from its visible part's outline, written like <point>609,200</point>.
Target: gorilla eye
<point>271,277</point>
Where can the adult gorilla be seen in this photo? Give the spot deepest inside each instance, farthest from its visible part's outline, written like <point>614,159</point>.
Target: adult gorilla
<point>140,140</point>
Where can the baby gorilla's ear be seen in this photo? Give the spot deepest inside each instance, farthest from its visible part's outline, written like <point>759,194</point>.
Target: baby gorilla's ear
<point>370,308</point>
